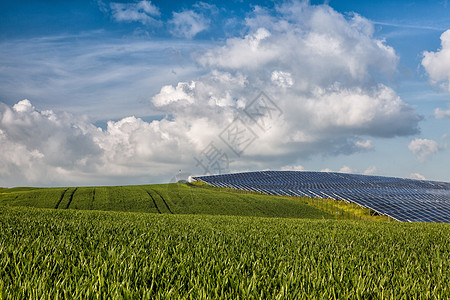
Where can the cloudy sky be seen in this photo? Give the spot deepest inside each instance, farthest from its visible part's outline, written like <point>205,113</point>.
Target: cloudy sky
<point>114,92</point>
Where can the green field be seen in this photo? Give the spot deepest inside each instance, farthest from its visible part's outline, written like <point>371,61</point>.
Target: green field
<point>88,254</point>
<point>161,198</point>
<point>181,241</point>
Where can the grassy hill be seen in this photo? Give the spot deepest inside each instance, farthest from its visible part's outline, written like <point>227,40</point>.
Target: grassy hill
<point>184,241</point>
<point>173,198</point>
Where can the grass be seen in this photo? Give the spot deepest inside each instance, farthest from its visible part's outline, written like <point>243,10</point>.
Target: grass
<point>343,210</point>
<point>194,241</point>
<point>48,253</point>
<point>162,198</point>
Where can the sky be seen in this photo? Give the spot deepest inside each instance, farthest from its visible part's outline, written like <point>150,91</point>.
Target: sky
<point>134,92</point>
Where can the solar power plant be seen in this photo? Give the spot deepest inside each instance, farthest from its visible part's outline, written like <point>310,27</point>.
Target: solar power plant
<point>406,200</point>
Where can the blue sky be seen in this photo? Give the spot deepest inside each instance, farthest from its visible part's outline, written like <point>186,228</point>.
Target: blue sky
<point>129,92</point>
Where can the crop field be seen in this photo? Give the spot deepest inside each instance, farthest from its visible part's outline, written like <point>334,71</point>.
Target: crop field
<point>48,253</point>
<point>161,198</point>
<point>193,241</point>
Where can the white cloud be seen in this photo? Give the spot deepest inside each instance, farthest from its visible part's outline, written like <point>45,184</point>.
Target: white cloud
<point>249,52</point>
<point>293,168</point>
<point>23,106</point>
<point>35,145</point>
<point>322,71</point>
<point>282,79</point>
<point>188,23</point>
<point>48,148</point>
<point>437,64</point>
<point>169,94</point>
<point>423,148</point>
<point>364,145</point>
<point>347,169</point>
<point>370,170</point>
<point>417,176</point>
<point>439,113</point>
<point>142,11</point>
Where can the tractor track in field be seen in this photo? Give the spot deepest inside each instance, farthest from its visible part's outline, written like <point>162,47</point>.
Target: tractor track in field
<point>165,203</point>
<point>71,198</point>
<point>60,198</point>
<point>154,202</point>
<point>93,198</point>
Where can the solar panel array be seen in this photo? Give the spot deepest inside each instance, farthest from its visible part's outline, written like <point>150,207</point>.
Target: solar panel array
<point>405,200</point>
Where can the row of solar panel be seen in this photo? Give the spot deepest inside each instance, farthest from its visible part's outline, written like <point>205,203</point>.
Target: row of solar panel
<point>328,178</point>
<point>402,199</point>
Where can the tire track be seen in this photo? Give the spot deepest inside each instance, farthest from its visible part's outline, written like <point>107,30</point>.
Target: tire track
<point>165,203</point>
<point>60,198</point>
<point>154,202</point>
<point>93,198</point>
<point>71,198</point>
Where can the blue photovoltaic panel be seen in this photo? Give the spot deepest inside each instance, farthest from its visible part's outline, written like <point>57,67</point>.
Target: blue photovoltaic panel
<point>405,200</point>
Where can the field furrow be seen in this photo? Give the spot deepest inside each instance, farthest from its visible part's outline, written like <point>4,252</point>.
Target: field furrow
<point>67,198</point>
<point>60,198</point>
<point>93,198</point>
<point>71,198</point>
<point>163,201</point>
<point>82,199</point>
<point>153,200</point>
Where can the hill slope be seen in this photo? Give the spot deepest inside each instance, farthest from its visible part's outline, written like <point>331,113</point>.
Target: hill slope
<point>162,198</point>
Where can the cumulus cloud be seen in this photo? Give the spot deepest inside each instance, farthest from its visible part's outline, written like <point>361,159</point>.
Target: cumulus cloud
<point>347,169</point>
<point>323,77</point>
<point>282,79</point>
<point>437,64</point>
<point>370,170</point>
<point>364,145</point>
<point>39,144</point>
<point>439,113</point>
<point>423,148</point>
<point>188,23</point>
<point>170,94</point>
<point>321,69</point>
<point>143,11</point>
<point>293,168</point>
<point>50,148</point>
<point>417,176</point>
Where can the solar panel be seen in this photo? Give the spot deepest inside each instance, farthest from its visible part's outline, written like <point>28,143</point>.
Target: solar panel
<point>405,200</point>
